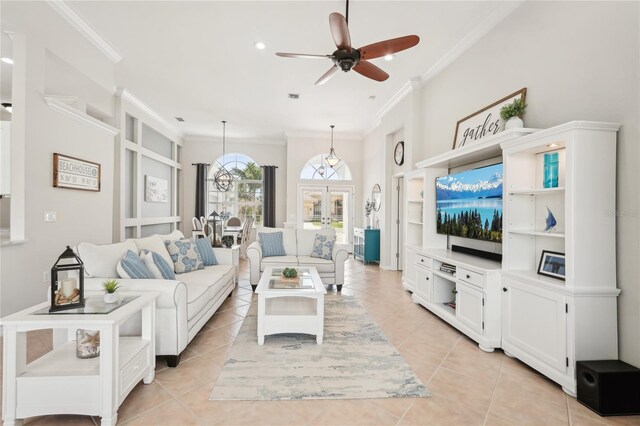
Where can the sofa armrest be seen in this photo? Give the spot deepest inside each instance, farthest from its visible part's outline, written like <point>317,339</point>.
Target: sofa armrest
<point>254,254</point>
<point>173,293</point>
<point>339,255</point>
<point>224,256</point>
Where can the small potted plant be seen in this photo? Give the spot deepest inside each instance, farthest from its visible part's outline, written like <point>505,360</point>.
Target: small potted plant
<point>512,114</point>
<point>110,287</point>
<point>290,275</point>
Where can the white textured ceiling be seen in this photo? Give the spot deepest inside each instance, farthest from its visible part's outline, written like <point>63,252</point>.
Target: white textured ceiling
<point>197,59</point>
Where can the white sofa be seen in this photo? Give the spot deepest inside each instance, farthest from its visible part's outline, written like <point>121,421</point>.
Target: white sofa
<point>298,244</point>
<point>184,304</point>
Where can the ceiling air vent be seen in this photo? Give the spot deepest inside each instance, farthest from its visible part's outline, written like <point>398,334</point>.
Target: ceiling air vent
<point>294,95</point>
<point>180,119</point>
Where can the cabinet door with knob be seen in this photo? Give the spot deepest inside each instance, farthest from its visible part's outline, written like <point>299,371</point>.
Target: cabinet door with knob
<point>534,323</point>
<point>424,280</point>
<point>470,306</point>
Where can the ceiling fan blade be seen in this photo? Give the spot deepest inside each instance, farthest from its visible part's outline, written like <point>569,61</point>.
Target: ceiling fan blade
<point>327,75</point>
<point>388,47</point>
<point>302,55</point>
<point>340,31</point>
<point>369,70</point>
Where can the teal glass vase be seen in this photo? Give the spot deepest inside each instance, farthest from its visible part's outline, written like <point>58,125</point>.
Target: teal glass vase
<point>550,170</point>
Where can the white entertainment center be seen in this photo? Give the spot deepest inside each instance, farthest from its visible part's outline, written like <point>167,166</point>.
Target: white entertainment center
<point>547,323</point>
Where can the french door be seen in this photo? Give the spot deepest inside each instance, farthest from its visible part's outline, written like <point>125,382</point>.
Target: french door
<point>321,206</point>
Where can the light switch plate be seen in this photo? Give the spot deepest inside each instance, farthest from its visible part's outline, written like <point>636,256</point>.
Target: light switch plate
<point>50,216</point>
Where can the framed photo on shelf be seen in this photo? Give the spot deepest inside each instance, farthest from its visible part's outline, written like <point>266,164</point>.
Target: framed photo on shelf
<point>552,264</point>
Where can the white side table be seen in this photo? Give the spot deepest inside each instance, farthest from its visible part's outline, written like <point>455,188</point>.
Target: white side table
<point>59,382</point>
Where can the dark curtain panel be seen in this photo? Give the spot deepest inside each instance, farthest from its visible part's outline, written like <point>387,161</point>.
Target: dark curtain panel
<point>269,196</point>
<point>201,190</point>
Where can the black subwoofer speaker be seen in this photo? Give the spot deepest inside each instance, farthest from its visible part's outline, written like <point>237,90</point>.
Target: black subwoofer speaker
<point>610,388</point>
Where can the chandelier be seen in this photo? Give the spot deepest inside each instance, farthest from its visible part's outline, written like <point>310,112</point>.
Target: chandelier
<point>332,158</point>
<point>223,179</point>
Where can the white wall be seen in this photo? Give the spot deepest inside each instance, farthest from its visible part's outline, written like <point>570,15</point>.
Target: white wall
<point>81,215</point>
<point>208,149</point>
<point>301,149</point>
<point>579,61</point>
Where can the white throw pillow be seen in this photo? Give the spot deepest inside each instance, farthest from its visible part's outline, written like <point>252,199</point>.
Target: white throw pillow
<point>148,260</point>
<point>101,261</point>
<point>156,244</point>
<point>174,236</point>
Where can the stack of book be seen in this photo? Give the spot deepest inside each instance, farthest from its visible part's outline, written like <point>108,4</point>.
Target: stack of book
<point>448,269</point>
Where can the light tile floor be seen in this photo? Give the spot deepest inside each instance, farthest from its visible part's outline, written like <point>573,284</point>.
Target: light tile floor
<point>469,386</point>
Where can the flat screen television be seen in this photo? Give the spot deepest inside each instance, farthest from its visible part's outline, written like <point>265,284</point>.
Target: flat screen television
<point>469,204</point>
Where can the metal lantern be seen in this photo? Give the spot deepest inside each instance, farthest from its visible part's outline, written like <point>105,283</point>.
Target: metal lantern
<point>216,223</point>
<point>67,282</point>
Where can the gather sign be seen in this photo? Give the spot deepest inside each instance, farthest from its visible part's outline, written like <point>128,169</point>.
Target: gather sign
<point>483,123</point>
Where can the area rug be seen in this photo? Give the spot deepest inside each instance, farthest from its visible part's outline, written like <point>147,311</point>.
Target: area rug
<point>354,361</point>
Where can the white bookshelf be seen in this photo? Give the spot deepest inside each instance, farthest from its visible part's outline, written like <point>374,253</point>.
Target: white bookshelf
<point>552,323</point>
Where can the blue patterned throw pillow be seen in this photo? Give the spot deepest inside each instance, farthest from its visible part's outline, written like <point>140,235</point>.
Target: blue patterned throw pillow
<point>203,245</point>
<point>158,265</point>
<point>131,266</point>
<point>323,246</point>
<point>271,243</point>
<point>185,255</point>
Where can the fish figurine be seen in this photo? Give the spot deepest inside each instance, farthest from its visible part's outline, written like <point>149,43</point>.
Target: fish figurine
<point>551,221</point>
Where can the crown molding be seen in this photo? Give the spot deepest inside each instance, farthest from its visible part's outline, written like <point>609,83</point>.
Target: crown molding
<point>322,134</point>
<point>83,27</point>
<point>501,11</point>
<point>135,101</point>
<point>56,104</point>
<point>235,141</point>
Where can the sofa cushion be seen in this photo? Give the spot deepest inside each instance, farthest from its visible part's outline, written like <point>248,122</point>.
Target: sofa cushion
<point>155,244</point>
<point>323,246</point>
<point>209,275</point>
<point>307,238</point>
<point>160,268</point>
<point>184,255</point>
<point>198,296</point>
<point>271,243</point>
<point>132,266</point>
<point>288,238</point>
<point>206,251</point>
<point>279,261</point>
<point>322,265</point>
<point>101,261</point>
<point>173,236</point>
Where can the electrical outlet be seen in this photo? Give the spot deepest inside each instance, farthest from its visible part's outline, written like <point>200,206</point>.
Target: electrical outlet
<point>50,216</point>
<point>46,276</point>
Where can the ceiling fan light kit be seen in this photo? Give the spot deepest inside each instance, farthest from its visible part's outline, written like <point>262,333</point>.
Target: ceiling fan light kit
<point>347,58</point>
<point>222,179</point>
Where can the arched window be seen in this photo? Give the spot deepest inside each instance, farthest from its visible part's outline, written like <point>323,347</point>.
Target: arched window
<point>318,169</point>
<point>244,198</point>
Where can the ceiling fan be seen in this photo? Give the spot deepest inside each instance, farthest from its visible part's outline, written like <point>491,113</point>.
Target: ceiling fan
<point>347,58</point>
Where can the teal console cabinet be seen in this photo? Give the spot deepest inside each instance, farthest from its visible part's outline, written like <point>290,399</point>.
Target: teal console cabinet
<point>366,245</point>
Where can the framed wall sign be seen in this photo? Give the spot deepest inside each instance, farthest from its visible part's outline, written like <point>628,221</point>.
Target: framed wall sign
<point>156,190</point>
<point>483,123</point>
<point>74,173</point>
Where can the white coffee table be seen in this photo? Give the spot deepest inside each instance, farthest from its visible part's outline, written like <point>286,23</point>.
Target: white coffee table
<point>59,382</point>
<point>290,310</point>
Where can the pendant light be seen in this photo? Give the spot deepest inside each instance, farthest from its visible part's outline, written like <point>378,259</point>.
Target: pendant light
<point>320,169</point>
<point>223,179</point>
<point>332,158</point>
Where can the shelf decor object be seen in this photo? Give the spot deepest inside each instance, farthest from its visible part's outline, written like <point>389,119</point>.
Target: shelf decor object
<point>87,343</point>
<point>484,123</point>
<point>551,170</point>
<point>216,224</point>
<point>552,264</point>
<point>67,282</point>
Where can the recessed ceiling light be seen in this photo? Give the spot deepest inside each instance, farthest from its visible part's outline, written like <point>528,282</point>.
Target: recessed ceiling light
<point>7,60</point>
<point>294,95</point>
<point>7,106</point>
<point>372,98</point>
<point>259,45</point>
<point>552,145</point>
<point>388,57</point>
<point>180,119</point>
